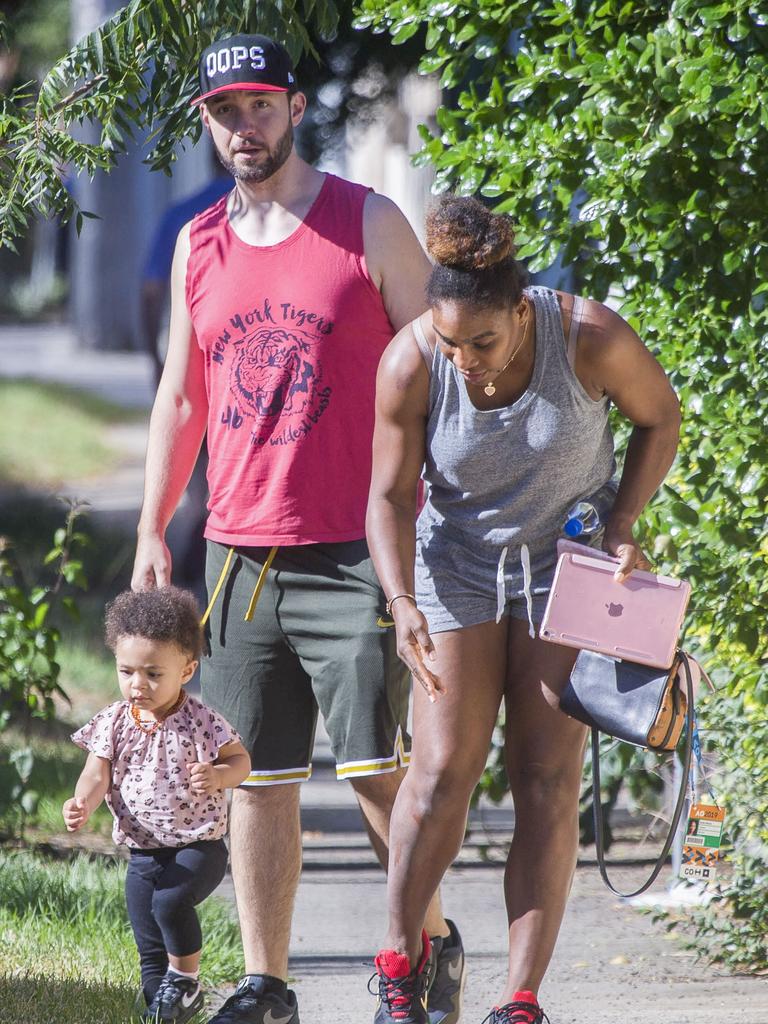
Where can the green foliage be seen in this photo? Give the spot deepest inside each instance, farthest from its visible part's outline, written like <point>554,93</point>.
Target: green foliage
<point>137,71</point>
<point>29,671</point>
<point>649,120</point>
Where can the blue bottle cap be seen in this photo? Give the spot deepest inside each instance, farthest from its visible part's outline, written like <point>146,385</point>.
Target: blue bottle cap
<point>573,527</point>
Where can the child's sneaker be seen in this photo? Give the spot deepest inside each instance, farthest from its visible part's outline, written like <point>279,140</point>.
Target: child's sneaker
<point>524,1009</point>
<point>176,1001</point>
<point>402,991</point>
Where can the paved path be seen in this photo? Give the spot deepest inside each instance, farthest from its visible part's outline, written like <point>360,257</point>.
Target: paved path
<point>612,965</point>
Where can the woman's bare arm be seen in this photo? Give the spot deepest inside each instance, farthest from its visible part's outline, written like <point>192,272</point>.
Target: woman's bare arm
<point>613,361</point>
<point>402,392</point>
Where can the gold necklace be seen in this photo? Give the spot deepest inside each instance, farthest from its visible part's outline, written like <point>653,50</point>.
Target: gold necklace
<point>490,387</point>
<point>153,724</point>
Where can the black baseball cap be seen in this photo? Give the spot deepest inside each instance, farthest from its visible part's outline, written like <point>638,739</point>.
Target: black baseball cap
<point>251,62</point>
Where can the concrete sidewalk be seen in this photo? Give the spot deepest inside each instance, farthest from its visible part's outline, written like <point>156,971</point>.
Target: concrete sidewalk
<point>612,964</point>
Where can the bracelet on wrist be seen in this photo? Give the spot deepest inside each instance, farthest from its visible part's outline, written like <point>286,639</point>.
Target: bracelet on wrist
<point>397,597</point>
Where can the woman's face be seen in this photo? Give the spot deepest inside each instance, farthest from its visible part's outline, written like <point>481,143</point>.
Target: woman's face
<point>477,341</point>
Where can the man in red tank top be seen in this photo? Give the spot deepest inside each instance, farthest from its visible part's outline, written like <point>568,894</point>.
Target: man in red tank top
<point>284,295</point>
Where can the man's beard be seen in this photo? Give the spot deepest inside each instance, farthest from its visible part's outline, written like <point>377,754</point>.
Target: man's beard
<point>274,160</point>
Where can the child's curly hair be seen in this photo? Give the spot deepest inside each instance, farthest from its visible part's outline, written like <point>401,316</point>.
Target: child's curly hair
<point>168,615</point>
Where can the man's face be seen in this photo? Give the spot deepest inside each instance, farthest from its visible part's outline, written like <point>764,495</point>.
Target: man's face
<point>253,131</point>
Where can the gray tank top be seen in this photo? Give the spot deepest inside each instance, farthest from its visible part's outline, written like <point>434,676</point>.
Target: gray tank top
<point>505,478</point>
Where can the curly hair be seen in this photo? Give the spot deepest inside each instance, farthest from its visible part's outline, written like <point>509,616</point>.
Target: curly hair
<point>168,615</point>
<point>474,254</point>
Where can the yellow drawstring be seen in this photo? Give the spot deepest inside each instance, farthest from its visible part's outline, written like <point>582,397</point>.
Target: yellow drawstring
<point>256,590</point>
<point>217,588</point>
<point>259,585</point>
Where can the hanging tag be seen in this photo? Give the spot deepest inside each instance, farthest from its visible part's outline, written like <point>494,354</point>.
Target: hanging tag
<point>701,848</point>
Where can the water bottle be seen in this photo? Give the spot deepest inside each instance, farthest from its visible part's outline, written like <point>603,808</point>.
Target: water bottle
<point>581,521</point>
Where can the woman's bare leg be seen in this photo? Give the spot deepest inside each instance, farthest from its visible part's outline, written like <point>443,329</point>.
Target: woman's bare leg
<point>544,755</point>
<point>450,746</point>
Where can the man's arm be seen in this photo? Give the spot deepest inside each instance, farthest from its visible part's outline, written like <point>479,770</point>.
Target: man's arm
<point>396,261</point>
<point>176,432</point>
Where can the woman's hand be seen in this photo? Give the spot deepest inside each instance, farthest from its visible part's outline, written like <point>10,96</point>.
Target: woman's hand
<point>415,647</point>
<point>619,542</point>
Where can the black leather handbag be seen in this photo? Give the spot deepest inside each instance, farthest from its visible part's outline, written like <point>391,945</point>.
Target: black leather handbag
<point>645,706</point>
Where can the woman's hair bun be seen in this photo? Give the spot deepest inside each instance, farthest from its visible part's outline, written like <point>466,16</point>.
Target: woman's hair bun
<point>464,234</point>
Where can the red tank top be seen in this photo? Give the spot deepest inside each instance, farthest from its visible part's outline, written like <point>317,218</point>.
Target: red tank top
<point>292,335</point>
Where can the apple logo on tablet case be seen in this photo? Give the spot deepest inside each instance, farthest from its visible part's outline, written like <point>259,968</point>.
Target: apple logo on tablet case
<point>615,610</point>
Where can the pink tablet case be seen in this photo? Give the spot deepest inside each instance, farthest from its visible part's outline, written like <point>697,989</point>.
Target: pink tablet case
<point>639,619</point>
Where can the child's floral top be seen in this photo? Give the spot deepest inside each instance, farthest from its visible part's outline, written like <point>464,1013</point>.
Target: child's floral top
<point>150,795</point>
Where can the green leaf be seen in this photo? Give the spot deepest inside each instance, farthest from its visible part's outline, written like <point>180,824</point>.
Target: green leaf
<point>684,513</point>
<point>405,31</point>
<point>618,127</point>
<point>23,760</point>
<point>29,801</point>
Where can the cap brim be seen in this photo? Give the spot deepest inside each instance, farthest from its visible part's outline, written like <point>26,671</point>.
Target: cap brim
<point>239,87</point>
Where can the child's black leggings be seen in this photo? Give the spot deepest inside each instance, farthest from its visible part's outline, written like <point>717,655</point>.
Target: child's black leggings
<point>162,889</point>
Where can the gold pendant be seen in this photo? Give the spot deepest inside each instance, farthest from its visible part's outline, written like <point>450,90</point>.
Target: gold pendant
<point>490,389</point>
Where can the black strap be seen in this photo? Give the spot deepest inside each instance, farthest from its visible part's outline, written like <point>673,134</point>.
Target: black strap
<point>597,807</point>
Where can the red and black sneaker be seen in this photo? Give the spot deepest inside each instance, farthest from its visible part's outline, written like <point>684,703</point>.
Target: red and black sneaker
<point>524,1009</point>
<point>402,991</point>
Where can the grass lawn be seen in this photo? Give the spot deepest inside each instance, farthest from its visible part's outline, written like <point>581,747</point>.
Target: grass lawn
<point>53,433</point>
<point>66,949</point>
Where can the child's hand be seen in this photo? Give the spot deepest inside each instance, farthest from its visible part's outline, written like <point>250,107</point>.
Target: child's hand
<point>203,778</point>
<point>76,813</point>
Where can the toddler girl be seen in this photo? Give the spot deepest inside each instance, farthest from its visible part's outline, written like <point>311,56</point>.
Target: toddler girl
<point>162,760</point>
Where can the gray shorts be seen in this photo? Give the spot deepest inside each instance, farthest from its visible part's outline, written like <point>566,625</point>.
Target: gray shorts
<point>319,637</point>
<point>455,588</point>
<point>472,609</point>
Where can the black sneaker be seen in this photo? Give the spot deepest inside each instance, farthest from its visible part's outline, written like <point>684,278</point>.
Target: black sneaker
<point>402,991</point>
<point>449,971</point>
<point>524,1009</point>
<point>252,1003</point>
<point>177,1000</point>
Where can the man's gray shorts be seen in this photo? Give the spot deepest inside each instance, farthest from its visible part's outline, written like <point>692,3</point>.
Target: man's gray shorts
<point>319,638</point>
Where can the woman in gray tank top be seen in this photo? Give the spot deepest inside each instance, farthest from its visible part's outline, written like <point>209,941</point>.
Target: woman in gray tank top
<point>489,395</point>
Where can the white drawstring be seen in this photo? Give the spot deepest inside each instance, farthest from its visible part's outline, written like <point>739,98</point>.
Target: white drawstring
<point>501,590</point>
<point>525,561</point>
